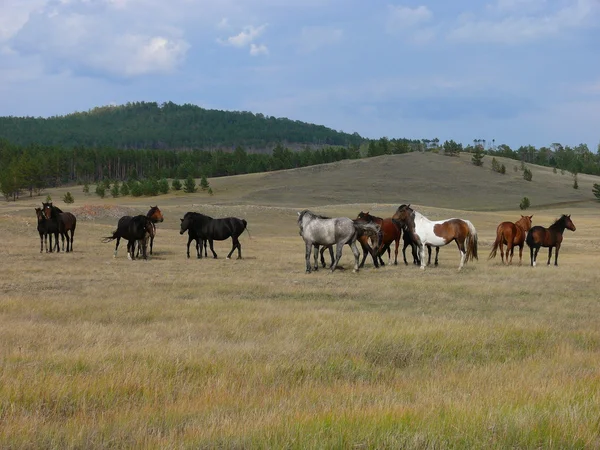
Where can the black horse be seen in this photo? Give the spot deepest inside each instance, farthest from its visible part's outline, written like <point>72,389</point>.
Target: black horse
<point>208,229</point>
<point>137,228</point>
<point>193,235</point>
<point>59,222</point>
<point>42,227</point>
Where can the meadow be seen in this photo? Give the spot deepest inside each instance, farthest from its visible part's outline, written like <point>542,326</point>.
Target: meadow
<point>103,352</point>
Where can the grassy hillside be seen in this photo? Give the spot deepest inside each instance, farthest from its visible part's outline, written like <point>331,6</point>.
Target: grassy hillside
<point>420,178</point>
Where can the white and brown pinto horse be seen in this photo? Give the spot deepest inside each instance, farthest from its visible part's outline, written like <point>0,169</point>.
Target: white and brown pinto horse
<point>439,233</point>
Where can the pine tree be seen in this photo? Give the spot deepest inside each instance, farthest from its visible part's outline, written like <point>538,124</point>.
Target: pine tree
<point>176,184</point>
<point>478,155</point>
<point>68,198</point>
<point>189,186</point>
<point>575,183</point>
<point>124,189</point>
<point>115,190</point>
<point>86,188</point>
<point>596,190</point>
<point>204,183</point>
<point>527,175</point>
<point>524,203</point>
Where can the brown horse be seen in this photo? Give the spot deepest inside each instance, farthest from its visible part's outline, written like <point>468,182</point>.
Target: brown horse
<point>155,216</point>
<point>390,232</point>
<point>65,223</point>
<point>548,237</point>
<point>439,233</point>
<point>513,235</point>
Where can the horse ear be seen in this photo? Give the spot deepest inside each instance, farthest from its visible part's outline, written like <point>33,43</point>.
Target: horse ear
<point>181,220</point>
<point>408,205</point>
<point>298,212</point>
<point>531,216</point>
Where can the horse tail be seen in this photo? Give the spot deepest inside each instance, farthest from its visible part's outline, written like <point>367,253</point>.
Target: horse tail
<point>496,243</point>
<point>471,242</point>
<point>246,228</point>
<point>106,239</point>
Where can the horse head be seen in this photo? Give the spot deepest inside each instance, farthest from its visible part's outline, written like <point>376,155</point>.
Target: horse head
<point>525,222</point>
<point>155,214</point>
<point>40,215</point>
<point>47,207</point>
<point>185,224</point>
<point>568,222</point>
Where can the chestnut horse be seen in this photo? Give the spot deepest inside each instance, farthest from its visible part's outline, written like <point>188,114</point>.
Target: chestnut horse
<point>548,237</point>
<point>439,233</point>
<point>513,235</point>
<point>390,232</point>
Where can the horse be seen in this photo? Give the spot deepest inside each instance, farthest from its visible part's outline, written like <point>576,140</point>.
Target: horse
<point>390,232</point>
<point>513,235</point>
<point>194,236</point>
<point>134,229</point>
<point>64,222</point>
<point>320,230</point>
<point>155,216</point>
<point>42,225</point>
<point>439,233</point>
<point>207,228</point>
<point>550,237</point>
<point>363,240</point>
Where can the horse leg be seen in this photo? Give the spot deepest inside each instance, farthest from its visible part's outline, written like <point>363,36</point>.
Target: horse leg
<point>501,246</point>
<point>366,248</point>
<point>556,254</point>
<point>396,251</point>
<point>233,247</point>
<point>535,253</point>
<point>549,255</point>
<point>404,253</point>
<point>151,242</point>
<point>437,252</point>
<point>188,246</point>
<point>308,250</point>
<point>212,249</point>
<point>416,251</point>
<point>356,255</point>
<point>199,243</point>
<point>117,247</point>
<point>520,254</point>
<point>509,250</point>
<point>389,252</point>
<point>316,257</point>
<point>422,253</point>
<point>322,254</point>
<point>338,255</point>
<point>463,254</point>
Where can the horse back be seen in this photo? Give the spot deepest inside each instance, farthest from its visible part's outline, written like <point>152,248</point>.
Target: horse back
<point>390,230</point>
<point>540,236</point>
<point>66,222</point>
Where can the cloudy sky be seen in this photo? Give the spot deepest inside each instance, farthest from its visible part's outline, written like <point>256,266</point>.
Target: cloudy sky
<point>517,71</point>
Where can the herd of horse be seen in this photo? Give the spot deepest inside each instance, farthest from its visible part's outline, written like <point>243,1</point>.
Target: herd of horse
<point>320,232</point>
<point>374,234</point>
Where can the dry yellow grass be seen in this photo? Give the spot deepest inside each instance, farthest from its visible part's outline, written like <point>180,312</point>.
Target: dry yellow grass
<point>177,353</point>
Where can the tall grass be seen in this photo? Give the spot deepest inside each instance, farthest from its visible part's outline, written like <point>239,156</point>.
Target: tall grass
<point>177,353</point>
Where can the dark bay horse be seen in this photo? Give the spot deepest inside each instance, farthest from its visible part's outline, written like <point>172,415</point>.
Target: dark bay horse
<point>320,230</point>
<point>207,228</point>
<point>42,227</point>
<point>513,235</point>
<point>439,233</point>
<point>390,232</point>
<point>64,222</point>
<point>155,216</point>
<point>550,237</point>
<point>134,229</point>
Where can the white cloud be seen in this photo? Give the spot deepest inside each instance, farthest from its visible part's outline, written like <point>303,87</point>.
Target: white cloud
<point>245,37</point>
<point>514,28</point>
<point>313,38</point>
<point>403,17</point>
<point>260,49</point>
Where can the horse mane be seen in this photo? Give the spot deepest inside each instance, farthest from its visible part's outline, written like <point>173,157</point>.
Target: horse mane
<point>558,221</point>
<point>151,211</point>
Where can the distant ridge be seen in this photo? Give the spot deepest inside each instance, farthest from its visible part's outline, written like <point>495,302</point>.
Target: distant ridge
<point>150,125</point>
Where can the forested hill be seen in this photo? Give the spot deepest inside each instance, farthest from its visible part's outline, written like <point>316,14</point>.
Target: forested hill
<point>149,125</point>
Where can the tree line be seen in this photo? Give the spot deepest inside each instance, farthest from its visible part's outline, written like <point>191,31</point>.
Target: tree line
<point>149,125</point>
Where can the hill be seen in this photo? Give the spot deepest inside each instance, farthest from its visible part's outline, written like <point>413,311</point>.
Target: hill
<point>420,178</point>
<point>150,125</point>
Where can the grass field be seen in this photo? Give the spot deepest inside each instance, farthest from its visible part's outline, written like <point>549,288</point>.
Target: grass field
<point>183,353</point>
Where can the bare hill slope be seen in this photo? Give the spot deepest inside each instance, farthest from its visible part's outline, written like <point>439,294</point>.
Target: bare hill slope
<point>421,178</point>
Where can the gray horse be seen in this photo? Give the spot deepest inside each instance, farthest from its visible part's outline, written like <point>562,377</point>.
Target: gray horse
<point>320,230</point>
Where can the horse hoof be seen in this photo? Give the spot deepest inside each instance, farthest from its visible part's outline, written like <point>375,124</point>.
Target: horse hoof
<point>228,257</point>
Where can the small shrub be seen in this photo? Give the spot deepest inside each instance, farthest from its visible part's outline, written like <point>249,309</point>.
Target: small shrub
<point>524,203</point>
<point>527,175</point>
<point>68,198</point>
<point>503,169</point>
<point>575,183</point>
<point>515,168</point>
<point>136,189</point>
<point>562,171</point>
<point>204,183</point>
<point>210,191</point>
<point>48,198</point>
<point>100,190</point>
<point>115,191</point>
<point>554,170</point>
<point>163,186</point>
<point>596,190</point>
<point>124,189</point>
<point>176,184</point>
<point>189,186</point>
<point>86,188</point>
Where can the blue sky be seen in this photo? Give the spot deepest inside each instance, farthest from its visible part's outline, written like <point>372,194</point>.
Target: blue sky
<point>517,71</point>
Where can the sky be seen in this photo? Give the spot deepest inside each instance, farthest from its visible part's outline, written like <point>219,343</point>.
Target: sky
<point>520,72</point>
